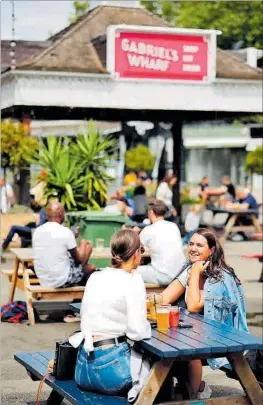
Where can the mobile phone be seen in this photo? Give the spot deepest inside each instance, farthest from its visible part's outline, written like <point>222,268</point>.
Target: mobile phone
<point>184,325</point>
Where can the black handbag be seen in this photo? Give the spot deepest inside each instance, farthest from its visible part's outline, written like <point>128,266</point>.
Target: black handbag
<point>64,361</point>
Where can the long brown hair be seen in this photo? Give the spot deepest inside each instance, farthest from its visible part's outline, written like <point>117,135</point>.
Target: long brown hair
<point>217,258</point>
<point>123,245</point>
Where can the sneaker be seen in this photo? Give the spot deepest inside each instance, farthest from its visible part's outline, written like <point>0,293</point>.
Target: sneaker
<point>237,237</point>
<point>205,394</point>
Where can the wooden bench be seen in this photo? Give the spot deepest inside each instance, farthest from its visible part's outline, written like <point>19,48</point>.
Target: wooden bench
<point>33,291</point>
<point>36,364</point>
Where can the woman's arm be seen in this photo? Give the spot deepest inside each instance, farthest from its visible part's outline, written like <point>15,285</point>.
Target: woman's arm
<point>195,297</point>
<point>172,292</point>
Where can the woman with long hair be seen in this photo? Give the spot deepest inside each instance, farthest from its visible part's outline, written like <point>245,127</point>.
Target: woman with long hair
<point>164,191</point>
<point>211,288</point>
<point>113,309</point>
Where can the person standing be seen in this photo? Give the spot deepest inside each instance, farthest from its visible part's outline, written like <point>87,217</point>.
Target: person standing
<point>163,239</point>
<point>164,193</point>
<point>7,196</point>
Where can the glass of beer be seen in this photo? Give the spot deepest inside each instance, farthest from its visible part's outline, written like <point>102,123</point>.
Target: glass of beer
<point>153,300</point>
<point>162,314</point>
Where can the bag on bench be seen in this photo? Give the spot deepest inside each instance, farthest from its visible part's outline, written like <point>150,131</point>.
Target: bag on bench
<point>64,361</point>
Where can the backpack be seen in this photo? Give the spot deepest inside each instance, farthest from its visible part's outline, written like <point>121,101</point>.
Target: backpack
<point>15,312</point>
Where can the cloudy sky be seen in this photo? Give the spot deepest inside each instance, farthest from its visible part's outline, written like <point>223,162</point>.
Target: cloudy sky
<point>35,19</point>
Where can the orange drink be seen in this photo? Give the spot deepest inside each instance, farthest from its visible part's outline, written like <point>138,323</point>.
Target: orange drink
<point>162,314</point>
<point>153,300</point>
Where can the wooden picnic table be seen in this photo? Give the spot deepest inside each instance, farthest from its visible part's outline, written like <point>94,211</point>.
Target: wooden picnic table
<point>233,216</point>
<point>25,255</point>
<point>206,339</point>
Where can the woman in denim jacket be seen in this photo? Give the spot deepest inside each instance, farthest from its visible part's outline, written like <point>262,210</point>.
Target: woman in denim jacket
<point>211,288</point>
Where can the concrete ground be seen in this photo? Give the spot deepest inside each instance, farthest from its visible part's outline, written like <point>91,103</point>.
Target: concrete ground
<point>18,389</point>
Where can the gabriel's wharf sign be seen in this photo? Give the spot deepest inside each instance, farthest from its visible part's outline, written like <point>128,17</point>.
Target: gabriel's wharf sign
<point>161,54</point>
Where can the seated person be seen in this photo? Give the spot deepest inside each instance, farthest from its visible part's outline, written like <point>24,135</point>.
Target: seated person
<point>227,190</point>
<point>109,316</point>
<point>211,288</point>
<point>244,201</point>
<point>163,240</point>
<point>202,187</point>
<point>25,232</point>
<point>192,222</point>
<point>120,207</point>
<point>140,204</point>
<point>58,262</point>
<point>144,178</point>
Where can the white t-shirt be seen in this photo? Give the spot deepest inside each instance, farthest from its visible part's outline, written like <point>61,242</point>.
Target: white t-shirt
<point>165,194</point>
<point>113,305</point>
<point>192,221</point>
<point>51,243</point>
<point>165,244</point>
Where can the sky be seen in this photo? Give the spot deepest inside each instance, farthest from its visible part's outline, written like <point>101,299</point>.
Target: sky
<point>36,20</point>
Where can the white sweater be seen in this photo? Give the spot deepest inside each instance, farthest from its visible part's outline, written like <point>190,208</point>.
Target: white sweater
<point>113,305</point>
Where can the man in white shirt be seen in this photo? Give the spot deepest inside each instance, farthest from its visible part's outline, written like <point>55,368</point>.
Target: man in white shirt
<point>163,240</point>
<point>57,259</point>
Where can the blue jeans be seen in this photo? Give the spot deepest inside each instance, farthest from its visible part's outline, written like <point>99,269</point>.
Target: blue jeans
<point>25,233</point>
<point>104,371</point>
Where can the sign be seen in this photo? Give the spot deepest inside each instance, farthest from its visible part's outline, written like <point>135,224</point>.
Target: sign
<point>157,53</point>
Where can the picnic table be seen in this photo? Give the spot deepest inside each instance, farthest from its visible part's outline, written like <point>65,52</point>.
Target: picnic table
<point>233,217</point>
<point>23,256</point>
<point>206,339</point>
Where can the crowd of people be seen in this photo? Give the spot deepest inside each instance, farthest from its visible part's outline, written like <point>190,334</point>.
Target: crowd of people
<point>202,282</point>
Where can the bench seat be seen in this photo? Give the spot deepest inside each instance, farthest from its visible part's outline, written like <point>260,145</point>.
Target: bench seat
<point>39,292</point>
<point>36,363</point>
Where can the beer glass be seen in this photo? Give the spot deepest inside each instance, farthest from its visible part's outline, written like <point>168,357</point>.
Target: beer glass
<point>162,314</point>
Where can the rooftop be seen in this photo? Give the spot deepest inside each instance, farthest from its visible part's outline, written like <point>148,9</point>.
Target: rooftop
<point>85,42</point>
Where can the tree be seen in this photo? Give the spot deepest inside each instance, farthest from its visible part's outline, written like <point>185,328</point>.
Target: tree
<point>254,161</point>
<point>17,149</point>
<point>238,20</point>
<point>139,158</point>
<point>80,8</point>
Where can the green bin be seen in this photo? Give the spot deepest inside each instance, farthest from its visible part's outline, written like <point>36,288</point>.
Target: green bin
<point>97,224</point>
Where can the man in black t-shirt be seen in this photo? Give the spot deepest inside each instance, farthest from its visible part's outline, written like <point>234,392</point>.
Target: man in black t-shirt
<point>229,188</point>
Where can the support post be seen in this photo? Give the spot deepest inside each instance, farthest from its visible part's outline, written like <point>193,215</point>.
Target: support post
<point>177,148</point>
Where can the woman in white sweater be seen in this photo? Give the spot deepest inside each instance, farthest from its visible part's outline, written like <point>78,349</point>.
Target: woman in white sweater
<point>113,309</point>
<point>164,193</point>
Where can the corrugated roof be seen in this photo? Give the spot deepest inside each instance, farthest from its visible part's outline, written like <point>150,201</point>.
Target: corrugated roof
<point>81,47</point>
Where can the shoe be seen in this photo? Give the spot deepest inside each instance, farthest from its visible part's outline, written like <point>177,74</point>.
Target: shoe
<point>237,237</point>
<point>205,394</point>
<point>71,319</point>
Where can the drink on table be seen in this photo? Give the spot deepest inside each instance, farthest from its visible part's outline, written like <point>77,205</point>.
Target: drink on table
<point>174,317</point>
<point>162,314</point>
<point>153,300</point>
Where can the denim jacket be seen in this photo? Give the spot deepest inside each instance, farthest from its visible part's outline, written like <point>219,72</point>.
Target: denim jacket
<point>223,302</point>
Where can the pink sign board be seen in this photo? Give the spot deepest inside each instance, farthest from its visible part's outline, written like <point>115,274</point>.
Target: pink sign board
<point>159,56</point>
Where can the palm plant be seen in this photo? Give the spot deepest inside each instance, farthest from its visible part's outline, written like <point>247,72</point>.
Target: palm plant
<point>94,152</point>
<point>64,179</point>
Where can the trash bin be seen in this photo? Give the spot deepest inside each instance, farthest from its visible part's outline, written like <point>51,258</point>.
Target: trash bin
<point>97,225</point>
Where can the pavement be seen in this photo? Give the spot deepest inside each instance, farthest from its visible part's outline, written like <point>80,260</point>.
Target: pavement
<point>18,389</point>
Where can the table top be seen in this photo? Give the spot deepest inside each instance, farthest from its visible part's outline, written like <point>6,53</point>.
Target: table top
<point>218,210</point>
<point>27,254</point>
<point>206,337</point>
